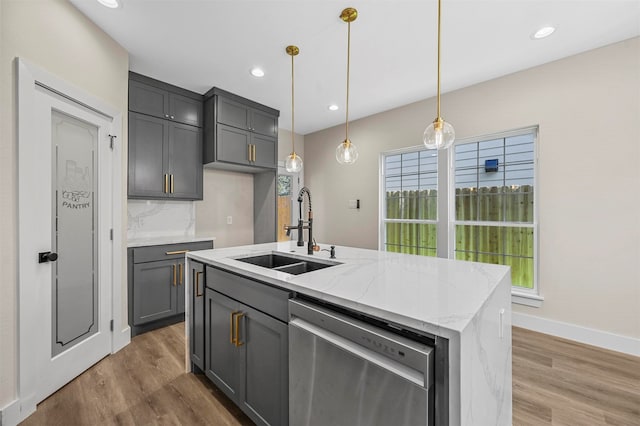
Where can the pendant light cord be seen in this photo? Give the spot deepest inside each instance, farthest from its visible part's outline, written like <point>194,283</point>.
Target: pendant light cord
<point>348,66</point>
<point>293,137</point>
<point>439,2</point>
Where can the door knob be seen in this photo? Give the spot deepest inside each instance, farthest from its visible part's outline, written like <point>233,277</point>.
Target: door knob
<point>47,256</point>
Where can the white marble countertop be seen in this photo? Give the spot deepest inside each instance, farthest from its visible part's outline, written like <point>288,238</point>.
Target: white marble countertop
<point>157,241</point>
<point>429,294</point>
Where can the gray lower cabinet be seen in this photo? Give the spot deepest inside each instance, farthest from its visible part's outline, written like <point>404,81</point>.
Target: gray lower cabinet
<point>155,291</point>
<point>246,347</point>
<point>197,279</point>
<point>157,284</point>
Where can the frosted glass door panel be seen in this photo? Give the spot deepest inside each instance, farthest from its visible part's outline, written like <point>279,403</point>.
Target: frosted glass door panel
<point>75,217</point>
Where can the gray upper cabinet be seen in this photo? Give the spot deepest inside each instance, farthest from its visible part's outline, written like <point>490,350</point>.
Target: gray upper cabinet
<point>148,137</point>
<point>233,114</point>
<point>185,161</point>
<point>264,123</point>
<point>239,134</point>
<point>165,141</point>
<point>161,103</point>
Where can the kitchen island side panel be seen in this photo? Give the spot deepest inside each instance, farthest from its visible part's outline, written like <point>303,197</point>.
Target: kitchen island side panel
<point>485,362</point>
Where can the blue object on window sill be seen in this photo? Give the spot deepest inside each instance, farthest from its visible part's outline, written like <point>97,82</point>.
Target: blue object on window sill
<point>491,165</point>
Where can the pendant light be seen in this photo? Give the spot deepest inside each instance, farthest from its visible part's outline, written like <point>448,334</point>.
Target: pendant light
<point>293,163</point>
<point>439,134</point>
<point>346,152</point>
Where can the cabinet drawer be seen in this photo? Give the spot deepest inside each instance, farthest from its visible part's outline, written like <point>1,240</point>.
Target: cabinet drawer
<point>153,253</point>
<point>262,297</point>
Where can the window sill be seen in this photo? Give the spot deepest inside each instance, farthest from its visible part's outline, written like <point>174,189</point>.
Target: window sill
<point>526,299</point>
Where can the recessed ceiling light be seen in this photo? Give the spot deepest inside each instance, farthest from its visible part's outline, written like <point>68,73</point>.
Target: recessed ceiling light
<point>109,3</point>
<point>543,32</point>
<point>333,107</point>
<point>257,72</point>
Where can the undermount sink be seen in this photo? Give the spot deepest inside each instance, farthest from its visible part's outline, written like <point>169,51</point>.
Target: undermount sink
<point>288,264</point>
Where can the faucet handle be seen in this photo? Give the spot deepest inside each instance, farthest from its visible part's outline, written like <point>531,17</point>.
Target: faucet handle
<point>316,247</point>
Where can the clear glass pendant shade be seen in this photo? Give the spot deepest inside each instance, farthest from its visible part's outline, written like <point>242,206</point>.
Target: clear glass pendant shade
<point>346,153</point>
<point>293,163</point>
<point>439,135</point>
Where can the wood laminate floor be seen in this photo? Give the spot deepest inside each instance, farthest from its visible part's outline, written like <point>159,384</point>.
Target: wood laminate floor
<point>555,382</point>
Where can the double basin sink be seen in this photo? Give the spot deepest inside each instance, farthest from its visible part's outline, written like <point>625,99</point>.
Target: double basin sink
<point>289,264</point>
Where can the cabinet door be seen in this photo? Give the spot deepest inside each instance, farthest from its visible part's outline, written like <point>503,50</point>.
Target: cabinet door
<point>232,144</point>
<point>197,280</point>
<point>180,287</point>
<point>265,151</point>
<point>264,368</point>
<point>154,291</point>
<point>148,100</point>
<point>233,114</point>
<point>264,123</point>
<point>148,138</point>
<point>185,110</point>
<point>222,360</point>
<point>185,161</point>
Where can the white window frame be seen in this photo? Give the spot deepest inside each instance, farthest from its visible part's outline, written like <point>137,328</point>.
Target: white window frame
<point>446,207</point>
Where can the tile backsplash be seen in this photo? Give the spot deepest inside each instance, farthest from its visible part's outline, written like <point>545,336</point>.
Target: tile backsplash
<point>158,218</point>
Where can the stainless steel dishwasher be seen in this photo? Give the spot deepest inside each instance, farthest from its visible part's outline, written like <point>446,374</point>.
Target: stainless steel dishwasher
<point>344,371</point>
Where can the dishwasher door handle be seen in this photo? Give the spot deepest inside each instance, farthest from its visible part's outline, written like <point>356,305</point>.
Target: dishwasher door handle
<point>359,351</point>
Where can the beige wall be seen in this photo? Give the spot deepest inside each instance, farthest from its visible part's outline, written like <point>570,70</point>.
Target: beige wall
<point>284,145</point>
<point>588,109</point>
<point>231,194</point>
<point>51,34</point>
<point>226,194</point>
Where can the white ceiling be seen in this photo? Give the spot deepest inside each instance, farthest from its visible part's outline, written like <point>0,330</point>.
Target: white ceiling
<point>198,44</point>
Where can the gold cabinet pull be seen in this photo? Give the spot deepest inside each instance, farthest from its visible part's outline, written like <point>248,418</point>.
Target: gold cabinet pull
<point>238,316</point>
<point>249,152</point>
<point>171,179</point>
<point>198,294</point>
<point>180,273</point>
<point>174,274</point>
<point>231,334</point>
<point>254,153</point>
<point>165,188</point>
<point>169,253</point>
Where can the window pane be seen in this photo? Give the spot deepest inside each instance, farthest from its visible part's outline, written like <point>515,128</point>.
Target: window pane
<point>511,246</point>
<point>411,182</point>
<point>502,195</point>
<point>518,203</point>
<point>411,238</point>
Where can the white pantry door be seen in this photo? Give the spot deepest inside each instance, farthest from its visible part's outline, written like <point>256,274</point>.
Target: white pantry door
<point>65,215</point>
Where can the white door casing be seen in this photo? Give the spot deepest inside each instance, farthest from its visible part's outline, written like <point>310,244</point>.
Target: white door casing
<point>40,373</point>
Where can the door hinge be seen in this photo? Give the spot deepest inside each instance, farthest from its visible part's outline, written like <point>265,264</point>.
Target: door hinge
<point>111,234</point>
<point>111,325</point>
<point>111,143</point>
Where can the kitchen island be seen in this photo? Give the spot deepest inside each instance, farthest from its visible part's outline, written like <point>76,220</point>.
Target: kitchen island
<point>464,306</point>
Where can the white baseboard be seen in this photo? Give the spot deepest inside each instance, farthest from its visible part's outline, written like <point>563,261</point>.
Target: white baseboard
<point>120,340</point>
<point>11,414</point>
<point>589,336</point>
